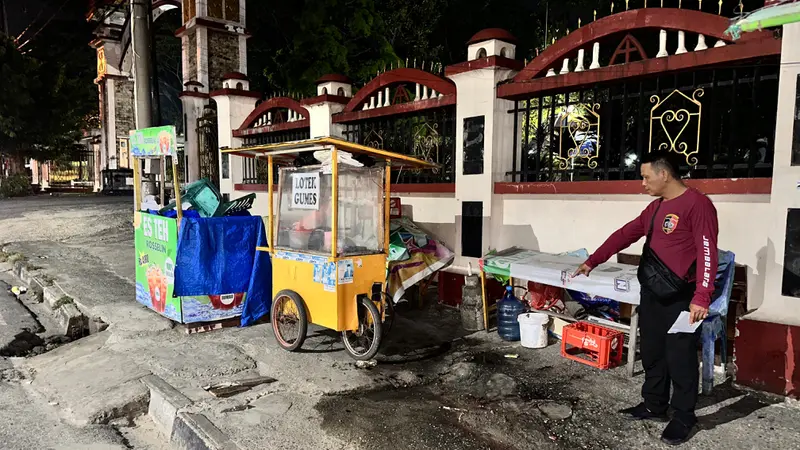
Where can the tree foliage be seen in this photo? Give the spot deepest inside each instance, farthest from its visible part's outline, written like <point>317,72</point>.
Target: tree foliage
<point>19,77</point>
<point>47,98</point>
<point>295,42</point>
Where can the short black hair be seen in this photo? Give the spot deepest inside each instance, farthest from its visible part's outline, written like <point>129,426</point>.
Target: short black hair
<point>664,160</point>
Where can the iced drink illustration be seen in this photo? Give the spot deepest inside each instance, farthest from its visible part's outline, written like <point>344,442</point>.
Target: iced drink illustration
<point>164,141</point>
<point>158,288</point>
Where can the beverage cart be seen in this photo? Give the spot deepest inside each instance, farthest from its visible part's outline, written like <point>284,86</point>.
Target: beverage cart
<point>329,238</point>
<point>156,238</point>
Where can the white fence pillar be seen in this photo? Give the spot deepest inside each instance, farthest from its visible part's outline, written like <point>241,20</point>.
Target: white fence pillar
<point>232,109</point>
<point>483,153</point>
<point>776,307</point>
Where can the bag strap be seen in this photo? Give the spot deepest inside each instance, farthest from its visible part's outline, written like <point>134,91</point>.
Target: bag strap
<point>652,221</point>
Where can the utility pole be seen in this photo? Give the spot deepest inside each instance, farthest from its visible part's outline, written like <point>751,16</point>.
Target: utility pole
<point>3,17</point>
<point>142,95</point>
<point>142,60</point>
<point>155,95</point>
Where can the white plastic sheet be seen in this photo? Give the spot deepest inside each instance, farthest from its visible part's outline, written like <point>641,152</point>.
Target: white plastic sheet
<point>610,280</point>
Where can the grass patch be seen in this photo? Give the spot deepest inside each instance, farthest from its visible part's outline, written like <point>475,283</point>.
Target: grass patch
<point>47,279</point>
<point>13,258</point>
<point>65,300</point>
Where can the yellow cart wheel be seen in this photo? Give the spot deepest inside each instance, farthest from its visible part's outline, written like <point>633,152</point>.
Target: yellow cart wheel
<point>289,320</point>
<point>363,343</point>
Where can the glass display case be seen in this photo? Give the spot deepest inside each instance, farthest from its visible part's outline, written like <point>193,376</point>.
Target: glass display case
<point>305,199</point>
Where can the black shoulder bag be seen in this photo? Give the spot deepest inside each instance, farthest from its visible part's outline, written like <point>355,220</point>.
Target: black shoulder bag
<point>655,276</point>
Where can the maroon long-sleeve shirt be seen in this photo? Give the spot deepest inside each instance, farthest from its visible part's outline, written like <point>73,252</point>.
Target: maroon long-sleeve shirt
<point>684,231</point>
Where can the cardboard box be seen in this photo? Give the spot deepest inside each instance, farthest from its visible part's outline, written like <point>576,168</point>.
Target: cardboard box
<point>625,310</point>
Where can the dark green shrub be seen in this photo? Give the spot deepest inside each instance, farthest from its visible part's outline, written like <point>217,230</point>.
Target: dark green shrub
<point>17,185</point>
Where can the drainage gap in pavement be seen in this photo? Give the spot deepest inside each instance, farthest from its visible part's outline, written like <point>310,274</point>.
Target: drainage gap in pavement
<point>24,343</point>
<point>46,329</point>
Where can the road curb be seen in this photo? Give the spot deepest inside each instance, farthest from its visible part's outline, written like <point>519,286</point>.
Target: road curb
<point>186,431</point>
<point>50,294</point>
<point>195,432</point>
<point>165,403</point>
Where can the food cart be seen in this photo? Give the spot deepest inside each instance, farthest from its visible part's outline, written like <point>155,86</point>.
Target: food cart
<point>156,240</point>
<point>329,238</point>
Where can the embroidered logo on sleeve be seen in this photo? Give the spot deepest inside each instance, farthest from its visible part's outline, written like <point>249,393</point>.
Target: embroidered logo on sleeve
<point>670,223</point>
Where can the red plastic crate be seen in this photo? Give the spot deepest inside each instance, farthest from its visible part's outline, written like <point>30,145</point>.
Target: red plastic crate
<point>591,344</point>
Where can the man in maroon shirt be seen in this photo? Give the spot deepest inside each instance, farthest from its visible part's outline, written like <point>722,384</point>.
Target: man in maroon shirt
<point>681,247</point>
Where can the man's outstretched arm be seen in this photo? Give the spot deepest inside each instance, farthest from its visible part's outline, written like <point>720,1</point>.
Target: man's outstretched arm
<point>618,241</point>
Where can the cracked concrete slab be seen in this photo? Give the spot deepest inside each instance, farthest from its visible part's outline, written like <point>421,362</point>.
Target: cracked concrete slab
<point>285,421</point>
<point>26,423</point>
<point>91,383</point>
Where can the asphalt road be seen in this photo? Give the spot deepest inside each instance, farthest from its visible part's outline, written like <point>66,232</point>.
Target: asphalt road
<point>60,218</point>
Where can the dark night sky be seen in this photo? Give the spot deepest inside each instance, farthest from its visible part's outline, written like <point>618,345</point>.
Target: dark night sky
<point>22,12</point>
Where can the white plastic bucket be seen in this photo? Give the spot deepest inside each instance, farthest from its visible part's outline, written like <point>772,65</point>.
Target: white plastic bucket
<point>533,329</point>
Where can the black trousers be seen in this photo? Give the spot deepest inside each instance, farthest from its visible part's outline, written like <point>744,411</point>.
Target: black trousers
<point>669,360</point>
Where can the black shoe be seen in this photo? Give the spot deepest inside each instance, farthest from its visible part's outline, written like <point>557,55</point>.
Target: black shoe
<point>677,432</point>
<point>640,412</point>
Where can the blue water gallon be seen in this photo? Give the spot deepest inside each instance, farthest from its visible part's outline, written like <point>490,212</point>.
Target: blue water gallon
<point>508,308</point>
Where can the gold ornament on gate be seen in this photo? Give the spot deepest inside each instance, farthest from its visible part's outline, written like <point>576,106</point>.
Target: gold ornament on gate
<point>578,135</point>
<point>427,142</point>
<point>674,116</point>
<point>374,139</point>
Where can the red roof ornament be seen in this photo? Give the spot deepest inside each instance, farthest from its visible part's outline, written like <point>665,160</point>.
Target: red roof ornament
<point>336,78</point>
<point>235,76</point>
<point>492,33</point>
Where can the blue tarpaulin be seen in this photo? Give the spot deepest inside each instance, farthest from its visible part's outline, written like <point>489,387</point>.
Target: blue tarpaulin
<point>218,256</point>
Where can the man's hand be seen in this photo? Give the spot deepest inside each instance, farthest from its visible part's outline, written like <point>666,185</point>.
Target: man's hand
<point>584,270</point>
<point>697,313</point>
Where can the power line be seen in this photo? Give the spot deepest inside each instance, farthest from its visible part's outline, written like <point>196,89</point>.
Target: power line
<point>33,22</point>
<point>53,16</point>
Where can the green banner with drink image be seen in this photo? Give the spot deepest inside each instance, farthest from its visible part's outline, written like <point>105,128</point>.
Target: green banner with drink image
<point>154,142</point>
<point>156,242</point>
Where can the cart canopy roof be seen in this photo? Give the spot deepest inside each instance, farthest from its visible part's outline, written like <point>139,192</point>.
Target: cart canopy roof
<point>288,151</point>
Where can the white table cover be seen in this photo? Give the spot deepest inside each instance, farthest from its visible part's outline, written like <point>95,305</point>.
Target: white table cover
<point>610,280</point>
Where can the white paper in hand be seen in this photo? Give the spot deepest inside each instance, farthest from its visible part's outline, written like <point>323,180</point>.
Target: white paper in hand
<point>682,324</point>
